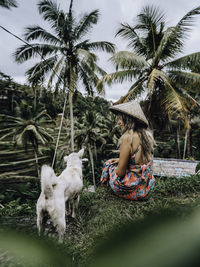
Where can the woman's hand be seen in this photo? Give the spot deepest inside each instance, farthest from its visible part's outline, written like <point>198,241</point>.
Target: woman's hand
<point>114,161</point>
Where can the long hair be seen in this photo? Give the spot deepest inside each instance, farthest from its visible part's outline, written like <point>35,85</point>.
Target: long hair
<point>145,135</point>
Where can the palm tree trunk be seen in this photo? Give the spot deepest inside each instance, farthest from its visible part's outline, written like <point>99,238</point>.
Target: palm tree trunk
<point>92,164</point>
<point>188,145</point>
<point>191,144</point>
<point>189,138</point>
<point>71,120</point>
<point>178,155</point>
<point>71,86</point>
<point>186,137</point>
<point>185,143</point>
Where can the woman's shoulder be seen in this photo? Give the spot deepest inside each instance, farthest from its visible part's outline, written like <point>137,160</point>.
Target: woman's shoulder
<point>130,134</point>
<point>136,141</point>
<point>135,135</point>
<point>130,137</point>
<point>126,137</point>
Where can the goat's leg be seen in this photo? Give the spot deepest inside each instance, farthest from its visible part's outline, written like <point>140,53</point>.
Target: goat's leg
<point>75,206</point>
<point>40,225</point>
<point>61,226</point>
<point>68,208</point>
<point>59,220</point>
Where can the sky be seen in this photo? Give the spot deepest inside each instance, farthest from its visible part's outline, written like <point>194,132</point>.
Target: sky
<point>113,12</point>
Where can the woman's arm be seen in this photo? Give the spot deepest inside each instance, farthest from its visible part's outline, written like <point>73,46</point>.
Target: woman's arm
<point>124,155</point>
<point>114,161</point>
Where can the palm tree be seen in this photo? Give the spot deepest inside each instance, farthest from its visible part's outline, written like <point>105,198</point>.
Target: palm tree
<point>152,64</point>
<point>27,127</point>
<point>90,136</point>
<point>65,52</point>
<point>8,3</point>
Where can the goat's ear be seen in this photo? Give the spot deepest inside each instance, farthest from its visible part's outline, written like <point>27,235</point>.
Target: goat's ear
<point>80,153</point>
<point>65,158</point>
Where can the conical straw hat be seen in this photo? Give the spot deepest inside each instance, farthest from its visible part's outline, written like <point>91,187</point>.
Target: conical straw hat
<point>132,109</point>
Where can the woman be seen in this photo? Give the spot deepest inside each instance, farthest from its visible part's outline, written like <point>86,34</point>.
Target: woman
<point>130,176</point>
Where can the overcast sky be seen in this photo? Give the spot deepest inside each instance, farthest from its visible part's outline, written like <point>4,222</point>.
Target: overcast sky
<point>113,12</point>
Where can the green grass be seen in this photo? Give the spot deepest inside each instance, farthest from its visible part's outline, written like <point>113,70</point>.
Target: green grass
<point>101,212</point>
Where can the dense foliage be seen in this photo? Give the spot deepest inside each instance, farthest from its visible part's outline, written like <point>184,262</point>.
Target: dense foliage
<point>108,231</point>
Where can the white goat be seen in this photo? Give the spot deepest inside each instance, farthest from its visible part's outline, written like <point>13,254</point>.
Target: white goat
<point>56,191</point>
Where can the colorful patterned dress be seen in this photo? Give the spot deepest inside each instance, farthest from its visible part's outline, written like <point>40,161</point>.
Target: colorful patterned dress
<point>134,185</point>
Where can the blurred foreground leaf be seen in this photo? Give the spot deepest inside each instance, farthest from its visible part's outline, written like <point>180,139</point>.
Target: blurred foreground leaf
<point>161,240</point>
<point>17,249</point>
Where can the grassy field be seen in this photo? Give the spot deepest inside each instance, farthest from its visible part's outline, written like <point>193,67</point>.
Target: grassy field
<point>102,216</point>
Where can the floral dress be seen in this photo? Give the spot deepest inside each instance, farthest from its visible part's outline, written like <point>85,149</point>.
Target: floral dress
<point>134,185</point>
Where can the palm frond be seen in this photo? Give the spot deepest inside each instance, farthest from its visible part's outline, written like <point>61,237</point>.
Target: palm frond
<point>62,80</point>
<point>26,52</point>
<point>38,136</point>
<point>156,75</point>
<point>9,118</point>
<point>118,76</point>
<point>173,101</point>
<point>87,56</point>
<point>88,84</point>
<point>65,28</point>
<point>42,114</point>
<point>10,133</point>
<point>153,77</point>
<point>8,3</point>
<point>99,70</point>
<point>188,96</point>
<point>184,26</point>
<point>36,32</point>
<point>44,134</point>
<point>168,47</point>
<point>190,80</point>
<point>134,41</point>
<point>190,61</point>
<point>84,25</point>
<point>50,11</point>
<point>40,69</point>
<point>55,72</point>
<point>150,17</point>
<point>187,21</point>
<point>90,79</point>
<point>135,91</point>
<point>149,20</point>
<point>82,45</point>
<point>101,46</point>
<point>70,7</point>
<point>128,60</point>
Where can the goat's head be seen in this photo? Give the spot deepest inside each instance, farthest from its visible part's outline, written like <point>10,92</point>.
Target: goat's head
<point>75,159</point>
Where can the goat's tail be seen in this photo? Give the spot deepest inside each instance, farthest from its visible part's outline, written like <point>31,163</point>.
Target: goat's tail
<point>48,180</point>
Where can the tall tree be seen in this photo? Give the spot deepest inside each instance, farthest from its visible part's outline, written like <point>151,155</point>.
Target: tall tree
<point>8,3</point>
<point>65,52</point>
<point>26,127</point>
<point>152,64</point>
